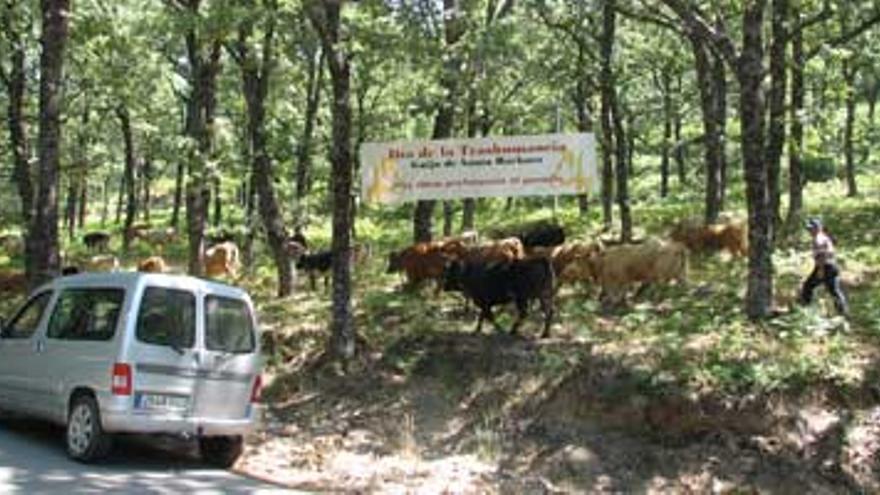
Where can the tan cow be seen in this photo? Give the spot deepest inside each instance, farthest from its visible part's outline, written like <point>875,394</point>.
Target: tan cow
<point>222,259</point>
<point>153,264</point>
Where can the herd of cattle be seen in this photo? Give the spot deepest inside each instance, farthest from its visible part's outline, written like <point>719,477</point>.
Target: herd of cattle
<point>519,265</point>
<point>532,262</point>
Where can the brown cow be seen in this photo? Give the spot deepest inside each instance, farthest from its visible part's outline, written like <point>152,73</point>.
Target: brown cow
<point>502,250</point>
<point>570,260</point>
<point>153,264</point>
<point>731,236</point>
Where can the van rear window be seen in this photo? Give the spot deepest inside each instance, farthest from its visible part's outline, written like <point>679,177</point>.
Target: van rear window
<point>228,325</point>
<point>167,317</point>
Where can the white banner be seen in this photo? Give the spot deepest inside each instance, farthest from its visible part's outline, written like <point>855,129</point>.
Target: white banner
<point>553,164</point>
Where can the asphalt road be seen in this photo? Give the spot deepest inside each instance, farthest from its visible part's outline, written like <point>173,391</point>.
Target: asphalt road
<point>33,461</point>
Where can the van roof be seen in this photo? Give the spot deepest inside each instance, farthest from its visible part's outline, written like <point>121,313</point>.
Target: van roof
<point>131,279</point>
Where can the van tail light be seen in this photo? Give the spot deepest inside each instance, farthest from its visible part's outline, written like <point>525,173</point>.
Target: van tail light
<point>121,380</point>
<point>257,391</point>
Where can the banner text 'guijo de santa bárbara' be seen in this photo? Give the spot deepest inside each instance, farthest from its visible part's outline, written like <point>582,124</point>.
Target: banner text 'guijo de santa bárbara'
<point>553,164</point>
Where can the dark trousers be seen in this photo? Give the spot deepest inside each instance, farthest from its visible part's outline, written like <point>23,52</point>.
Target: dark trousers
<point>829,275</point>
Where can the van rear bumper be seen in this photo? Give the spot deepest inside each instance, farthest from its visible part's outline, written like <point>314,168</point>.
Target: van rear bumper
<point>129,422</point>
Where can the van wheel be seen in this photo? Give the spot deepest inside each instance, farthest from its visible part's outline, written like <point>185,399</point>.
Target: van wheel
<point>86,439</point>
<point>221,451</point>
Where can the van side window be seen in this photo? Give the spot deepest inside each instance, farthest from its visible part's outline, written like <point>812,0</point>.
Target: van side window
<point>86,314</point>
<point>228,325</point>
<point>25,323</point>
<point>167,317</point>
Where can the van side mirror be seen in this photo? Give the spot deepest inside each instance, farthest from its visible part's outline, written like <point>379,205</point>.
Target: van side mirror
<point>2,327</point>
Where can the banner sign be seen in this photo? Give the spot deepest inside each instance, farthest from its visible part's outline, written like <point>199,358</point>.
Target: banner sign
<point>553,164</point>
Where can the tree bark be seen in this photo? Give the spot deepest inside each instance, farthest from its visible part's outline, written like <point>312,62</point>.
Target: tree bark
<point>147,177</point>
<point>326,17</point>
<point>719,94</point>
<point>129,173</point>
<point>713,145</point>
<point>445,118</point>
<point>850,70</point>
<point>201,102</point>
<point>665,83</point>
<point>70,207</point>
<point>313,102</point>
<point>796,143</point>
<point>776,103</point>
<point>83,200</point>
<point>608,103</point>
<point>255,73</point>
<point>43,260</point>
<point>16,87</point>
<point>759,295</point>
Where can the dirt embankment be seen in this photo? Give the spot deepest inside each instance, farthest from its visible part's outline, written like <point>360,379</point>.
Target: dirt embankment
<point>453,413</point>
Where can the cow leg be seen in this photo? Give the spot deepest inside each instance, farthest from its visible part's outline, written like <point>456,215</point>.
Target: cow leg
<point>312,281</point>
<point>641,290</point>
<point>547,309</point>
<point>480,317</point>
<point>522,310</point>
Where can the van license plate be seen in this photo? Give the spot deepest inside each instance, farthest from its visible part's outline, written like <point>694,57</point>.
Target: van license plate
<point>162,402</point>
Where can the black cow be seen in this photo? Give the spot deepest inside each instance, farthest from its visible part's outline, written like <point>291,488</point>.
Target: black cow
<point>491,284</point>
<point>314,263</point>
<point>299,238</point>
<point>542,235</point>
<point>97,240</point>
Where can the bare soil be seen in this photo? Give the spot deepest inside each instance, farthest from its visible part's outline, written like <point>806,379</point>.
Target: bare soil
<point>457,413</point>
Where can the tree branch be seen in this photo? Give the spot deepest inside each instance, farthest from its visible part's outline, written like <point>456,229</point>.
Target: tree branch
<point>846,36</point>
<point>697,23</point>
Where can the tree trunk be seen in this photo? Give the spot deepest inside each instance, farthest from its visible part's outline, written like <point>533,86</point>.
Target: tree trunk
<point>105,210</point>
<point>16,86</point>
<point>850,70</point>
<point>255,73</point>
<point>713,145</point>
<point>585,122</point>
<point>796,144</point>
<point>313,102</point>
<point>83,199</point>
<point>719,94</point>
<point>666,89</point>
<point>130,184</point>
<point>120,198</point>
<point>70,207</point>
<point>468,214</point>
<point>326,17</point>
<point>759,295</point>
<point>178,194</point>
<point>445,118</point>
<point>203,69</point>
<point>608,97</point>
<point>218,202</point>
<point>147,177</point>
<point>678,149</point>
<point>776,103</point>
<point>43,260</point>
<point>448,217</point>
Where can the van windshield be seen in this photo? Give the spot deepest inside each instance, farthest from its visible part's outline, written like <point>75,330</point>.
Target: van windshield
<point>167,317</point>
<point>228,325</point>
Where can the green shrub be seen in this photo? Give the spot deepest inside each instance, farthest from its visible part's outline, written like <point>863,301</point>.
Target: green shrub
<point>819,168</point>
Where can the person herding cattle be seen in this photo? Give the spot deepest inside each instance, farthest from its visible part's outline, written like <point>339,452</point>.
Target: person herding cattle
<point>825,270</point>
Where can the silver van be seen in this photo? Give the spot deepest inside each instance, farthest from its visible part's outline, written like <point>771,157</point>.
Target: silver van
<point>135,353</point>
